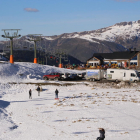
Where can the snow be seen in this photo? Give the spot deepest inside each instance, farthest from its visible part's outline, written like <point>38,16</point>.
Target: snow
<point>82,108</point>
<point>48,38</point>
<point>110,33</point>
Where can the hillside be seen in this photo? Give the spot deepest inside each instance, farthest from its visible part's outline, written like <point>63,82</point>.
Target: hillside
<point>28,72</point>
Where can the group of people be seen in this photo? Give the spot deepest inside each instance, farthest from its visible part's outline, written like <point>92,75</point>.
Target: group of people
<point>101,130</point>
<point>38,89</point>
<point>30,92</point>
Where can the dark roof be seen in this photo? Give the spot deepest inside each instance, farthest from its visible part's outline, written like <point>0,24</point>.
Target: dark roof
<point>98,57</point>
<point>115,55</point>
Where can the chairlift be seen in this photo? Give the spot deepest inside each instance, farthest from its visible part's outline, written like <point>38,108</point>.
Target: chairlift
<point>24,47</point>
<point>51,57</point>
<point>7,46</point>
<point>31,48</point>
<point>16,47</point>
<point>7,43</point>
<point>6,51</point>
<point>66,59</point>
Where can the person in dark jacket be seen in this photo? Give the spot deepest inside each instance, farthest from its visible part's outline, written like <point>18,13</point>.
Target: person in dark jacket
<point>56,94</point>
<point>38,89</point>
<point>102,134</point>
<point>30,94</point>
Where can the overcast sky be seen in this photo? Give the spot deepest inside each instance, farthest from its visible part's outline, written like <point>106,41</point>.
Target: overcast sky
<point>54,17</point>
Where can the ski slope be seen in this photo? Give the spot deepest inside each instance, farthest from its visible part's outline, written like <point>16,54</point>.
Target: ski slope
<point>82,107</point>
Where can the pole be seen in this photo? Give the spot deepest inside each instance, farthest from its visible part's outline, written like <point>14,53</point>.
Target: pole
<point>60,65</point>
<point>11,52</point>
<point>35,41</point>
<point>46,60</point>
<point>35,59</point>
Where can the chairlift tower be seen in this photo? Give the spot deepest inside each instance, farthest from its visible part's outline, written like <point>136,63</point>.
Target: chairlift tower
<point>11,34</point>
<point>34,38</point>
<point>61,55</point>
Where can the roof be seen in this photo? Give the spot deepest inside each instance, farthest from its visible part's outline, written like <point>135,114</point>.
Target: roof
<point>115,55</point>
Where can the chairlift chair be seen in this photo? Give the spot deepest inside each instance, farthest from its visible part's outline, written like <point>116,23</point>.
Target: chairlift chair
<point>24,47</point>
<point>7,46</point>
<point>51,57</point>
<point>6,51</point>
<point>16,47</point>
<point>66,59</point>
<point>31,48</point>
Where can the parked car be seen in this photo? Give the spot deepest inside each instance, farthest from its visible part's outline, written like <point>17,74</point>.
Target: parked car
<point>64,76</point>
<point>72,76</point>
<point>81,75</point>
<point>53,76</point>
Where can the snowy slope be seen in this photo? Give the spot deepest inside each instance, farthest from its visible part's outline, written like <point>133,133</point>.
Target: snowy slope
<point>82,108</point>
<point>22,71</point>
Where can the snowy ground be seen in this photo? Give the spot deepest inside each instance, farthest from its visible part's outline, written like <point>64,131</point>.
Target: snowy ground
<point>82,108</point>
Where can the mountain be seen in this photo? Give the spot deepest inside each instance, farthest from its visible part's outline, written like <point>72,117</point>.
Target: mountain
<point>82,45</point>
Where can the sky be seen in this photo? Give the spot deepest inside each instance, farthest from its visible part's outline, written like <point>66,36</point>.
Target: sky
<point>55,17</point>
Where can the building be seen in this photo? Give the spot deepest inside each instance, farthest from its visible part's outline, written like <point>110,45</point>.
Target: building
<point>125,58</point>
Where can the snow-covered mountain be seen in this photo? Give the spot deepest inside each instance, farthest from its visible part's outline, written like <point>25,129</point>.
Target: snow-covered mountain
<point>118,37</point>
<point>125,30</point>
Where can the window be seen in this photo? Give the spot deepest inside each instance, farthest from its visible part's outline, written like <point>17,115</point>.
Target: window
<point>111,71</point>
<point>106,62</point>
<point>124,75</point>
<point>133,75</point>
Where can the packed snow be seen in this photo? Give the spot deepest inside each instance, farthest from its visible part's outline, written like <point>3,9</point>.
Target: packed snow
<point>82,108</point>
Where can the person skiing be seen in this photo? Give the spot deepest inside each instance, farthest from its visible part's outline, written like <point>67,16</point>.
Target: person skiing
<point>38,89</point>
<point>102,134</point>
<point>56,94</point>
<point>30,94</point>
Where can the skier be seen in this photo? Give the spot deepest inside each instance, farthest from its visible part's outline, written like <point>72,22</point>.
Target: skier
<point>56,94</point>
<point>30,94</point>
<point>102,134</point>
<point>38,89</point>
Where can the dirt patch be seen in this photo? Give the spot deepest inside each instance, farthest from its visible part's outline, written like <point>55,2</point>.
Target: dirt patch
<point>56,84</point>
<point>93,85</point>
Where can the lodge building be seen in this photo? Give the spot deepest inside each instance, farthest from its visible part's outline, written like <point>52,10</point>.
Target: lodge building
<point>124,58</point>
